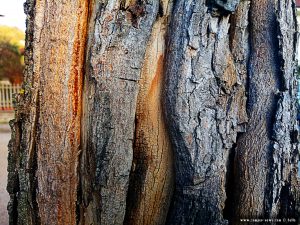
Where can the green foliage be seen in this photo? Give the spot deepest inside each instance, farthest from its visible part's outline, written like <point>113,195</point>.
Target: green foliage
<point>12,35</point>
<point>11,54</point>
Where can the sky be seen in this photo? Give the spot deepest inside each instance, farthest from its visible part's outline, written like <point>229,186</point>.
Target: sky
<point>13,13</point>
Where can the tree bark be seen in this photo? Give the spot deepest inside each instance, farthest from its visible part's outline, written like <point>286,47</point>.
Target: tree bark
<point>265,154</point>
<point>156,112</point>
<point>205,106</point>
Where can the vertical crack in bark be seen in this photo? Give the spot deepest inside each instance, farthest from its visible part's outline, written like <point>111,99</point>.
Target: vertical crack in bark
<point>228,210</point>
<point>87,214</point>
<point>287,202</point>
<point>88,29</point>
<point>32,165</point>
<point>238,33</point>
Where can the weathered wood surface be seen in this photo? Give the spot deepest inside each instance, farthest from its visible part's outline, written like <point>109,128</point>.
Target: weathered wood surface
<point>116,57</point>
<point>156,112</point>
<point>50,130</point>
<point>266,154</point>
<point>205,107</point>
<point>254,146</point>
<point>152,175</point>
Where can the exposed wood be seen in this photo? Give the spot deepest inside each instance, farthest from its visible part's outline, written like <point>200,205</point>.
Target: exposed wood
<point>54,106</point>
<point>152,175</point>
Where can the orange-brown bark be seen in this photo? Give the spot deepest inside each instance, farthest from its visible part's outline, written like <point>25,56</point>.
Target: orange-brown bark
<point>60,64</point>
<point>152,175</point>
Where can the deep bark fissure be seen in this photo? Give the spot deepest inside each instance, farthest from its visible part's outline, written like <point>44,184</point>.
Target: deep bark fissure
<point>88,154</point>
<point>137,178</point>
<point>221,7</point>
<point>235,21</point>
<point>84,69</point>
<point>287,202</point>
<point>32,166</point>
<point>150,182</point>
<point>228,210</point>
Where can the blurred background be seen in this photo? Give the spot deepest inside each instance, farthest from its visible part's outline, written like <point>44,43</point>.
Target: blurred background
<point>12,41</point>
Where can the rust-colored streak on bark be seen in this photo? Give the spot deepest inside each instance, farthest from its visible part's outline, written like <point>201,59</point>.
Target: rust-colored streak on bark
<point>155,84</point>
<point>77,71</point>
<point>61,65</point>
<point>75,86</point>
<point>151,182</point>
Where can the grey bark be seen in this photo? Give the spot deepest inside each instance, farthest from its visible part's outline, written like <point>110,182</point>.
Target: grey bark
<point>205,107</point>
<point>266,155</point>
<point>22,184</point>
<point>204,131</point>
<point>116,54</point>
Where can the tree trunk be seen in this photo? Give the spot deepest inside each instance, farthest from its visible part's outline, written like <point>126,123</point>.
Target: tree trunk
<point>156,112</point>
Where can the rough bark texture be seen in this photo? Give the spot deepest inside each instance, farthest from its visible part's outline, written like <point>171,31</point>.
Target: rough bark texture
<point>151,179</point>
<point>21,185</point>
<point>156,112</point>
<point>49,119</point>
<point>116,56</point>
<point>205,106</point>
<point>254,147</point>
<point>285,182</point>
<point>266,155</point>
